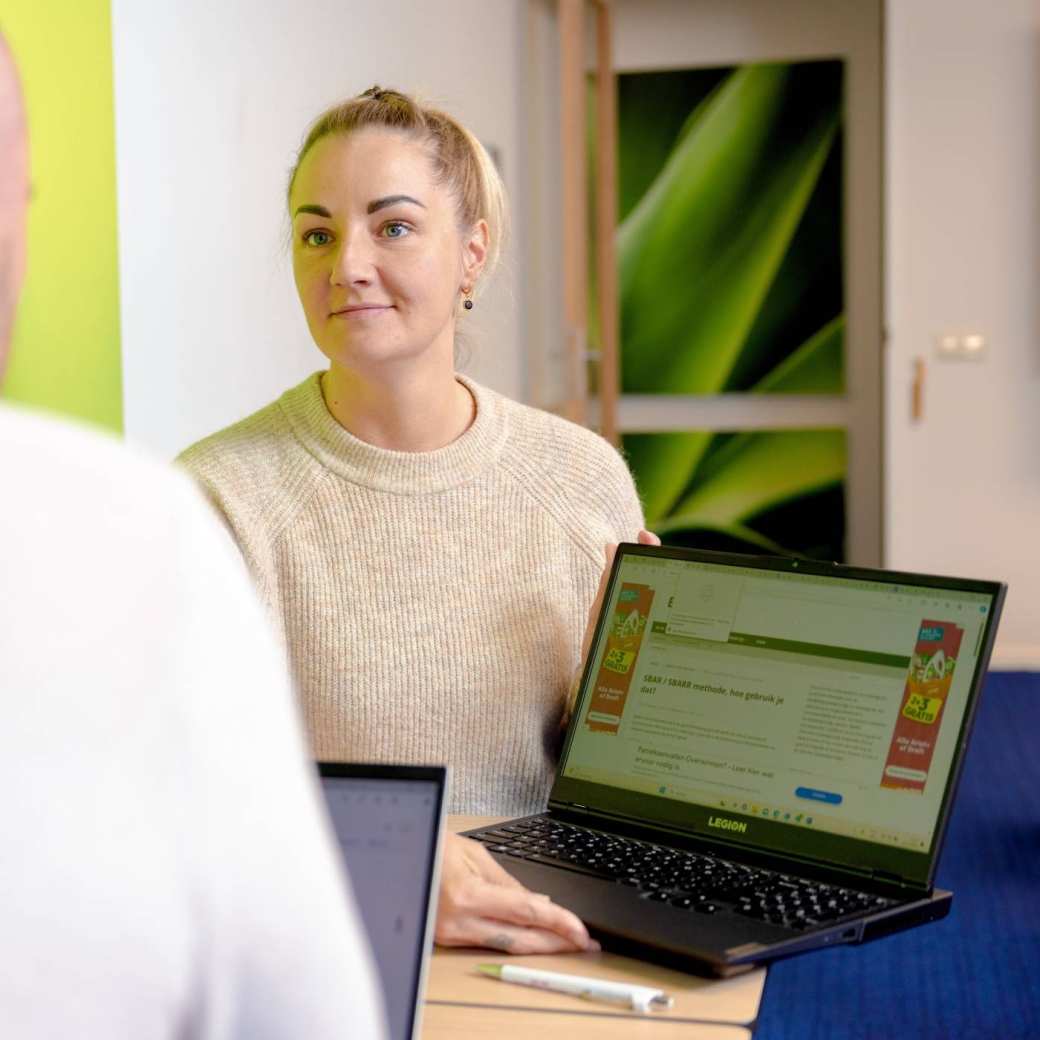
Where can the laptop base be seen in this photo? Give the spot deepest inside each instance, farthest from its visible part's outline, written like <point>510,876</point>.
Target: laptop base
<point>626,921</point>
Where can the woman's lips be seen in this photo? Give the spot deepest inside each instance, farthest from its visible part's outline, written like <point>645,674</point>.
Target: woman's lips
<point>360,310</point>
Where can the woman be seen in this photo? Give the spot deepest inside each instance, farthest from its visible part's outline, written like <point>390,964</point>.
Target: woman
<point>430,547</point>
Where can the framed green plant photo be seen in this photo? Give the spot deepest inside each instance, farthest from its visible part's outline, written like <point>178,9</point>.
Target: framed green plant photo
<point>731,282</point>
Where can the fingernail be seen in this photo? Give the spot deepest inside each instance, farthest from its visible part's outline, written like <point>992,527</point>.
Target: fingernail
<point>542,895</point>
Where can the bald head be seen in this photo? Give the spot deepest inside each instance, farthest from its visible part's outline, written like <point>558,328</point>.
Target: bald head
<point>14,195</point>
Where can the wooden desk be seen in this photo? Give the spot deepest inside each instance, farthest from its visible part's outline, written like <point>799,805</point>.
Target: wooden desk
<point>460,1003</point>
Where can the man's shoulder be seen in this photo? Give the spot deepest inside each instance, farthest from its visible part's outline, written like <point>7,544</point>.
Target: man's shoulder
<point>55,462</point>
<point>83,509</point>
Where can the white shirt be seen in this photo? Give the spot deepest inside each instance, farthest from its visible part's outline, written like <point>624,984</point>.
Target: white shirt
<point>165,869</point>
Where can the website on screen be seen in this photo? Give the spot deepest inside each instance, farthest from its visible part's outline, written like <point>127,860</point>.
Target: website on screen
<point>828,703</point>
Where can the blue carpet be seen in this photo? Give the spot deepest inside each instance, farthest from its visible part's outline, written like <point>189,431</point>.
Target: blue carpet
<point>976,973</point>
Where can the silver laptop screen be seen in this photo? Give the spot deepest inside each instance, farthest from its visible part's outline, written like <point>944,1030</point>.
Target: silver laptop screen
<point>822,703</point>
<point>388,829</point>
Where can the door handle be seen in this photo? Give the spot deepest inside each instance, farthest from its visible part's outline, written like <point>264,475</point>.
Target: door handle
<point>917,390</point>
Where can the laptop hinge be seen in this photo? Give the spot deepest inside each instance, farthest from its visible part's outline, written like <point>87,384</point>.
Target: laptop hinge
<point>881,877</point>
<point>886,877</point>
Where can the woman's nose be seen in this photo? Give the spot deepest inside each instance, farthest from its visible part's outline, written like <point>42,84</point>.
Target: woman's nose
<point>352,264</point>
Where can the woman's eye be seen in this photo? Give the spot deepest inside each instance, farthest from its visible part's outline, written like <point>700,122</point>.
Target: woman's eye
<point>396,229</point>
<point>317,238</point>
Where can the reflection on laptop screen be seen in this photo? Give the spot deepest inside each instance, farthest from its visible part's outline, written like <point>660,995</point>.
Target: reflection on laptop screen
<point>388,830</point>
<point>817,702</point>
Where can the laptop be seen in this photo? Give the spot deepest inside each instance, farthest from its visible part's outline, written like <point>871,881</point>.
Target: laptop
<point>389,820</point>
<point>762,757</point>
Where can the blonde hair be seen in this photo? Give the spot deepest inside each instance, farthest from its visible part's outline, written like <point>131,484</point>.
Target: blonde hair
<point>460,162</point>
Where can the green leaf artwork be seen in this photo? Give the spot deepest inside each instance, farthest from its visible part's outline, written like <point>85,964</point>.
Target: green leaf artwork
<point>730,276</point>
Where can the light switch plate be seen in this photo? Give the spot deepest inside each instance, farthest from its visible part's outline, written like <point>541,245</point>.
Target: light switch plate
<point>956,346</point>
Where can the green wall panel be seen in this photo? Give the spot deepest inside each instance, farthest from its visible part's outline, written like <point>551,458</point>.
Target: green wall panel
<point>66,351</point>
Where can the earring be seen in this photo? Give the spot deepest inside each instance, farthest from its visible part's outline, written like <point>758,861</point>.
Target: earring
<point>467,303</point>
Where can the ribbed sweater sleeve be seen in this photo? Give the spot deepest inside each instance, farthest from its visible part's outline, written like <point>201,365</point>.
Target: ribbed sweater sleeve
<point>433,603</point>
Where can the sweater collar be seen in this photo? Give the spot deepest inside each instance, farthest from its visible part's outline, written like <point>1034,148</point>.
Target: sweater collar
<point>399,472</point>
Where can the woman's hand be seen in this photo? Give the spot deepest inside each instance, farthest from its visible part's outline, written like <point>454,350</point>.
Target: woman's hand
<point>482,905</point>
<point>645,538</point>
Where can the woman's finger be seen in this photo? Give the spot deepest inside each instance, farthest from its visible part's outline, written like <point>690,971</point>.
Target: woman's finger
<point>489,869</point>
<point>527,910</point>
<point>498,935</point>
<point>479,914</point>
<point>501,935</point>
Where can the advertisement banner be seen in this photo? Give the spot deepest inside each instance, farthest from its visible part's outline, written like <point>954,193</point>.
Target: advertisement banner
<point>619,657</point>
<point>920,713</point>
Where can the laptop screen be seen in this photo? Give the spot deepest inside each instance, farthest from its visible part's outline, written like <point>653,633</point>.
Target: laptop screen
<point>388,827</point>
<point>818,703</point>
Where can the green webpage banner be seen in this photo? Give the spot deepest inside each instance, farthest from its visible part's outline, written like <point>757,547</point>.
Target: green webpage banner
<point>825,703</point>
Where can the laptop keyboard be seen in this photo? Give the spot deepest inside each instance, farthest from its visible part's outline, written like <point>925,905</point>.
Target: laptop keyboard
<point>687,880</point>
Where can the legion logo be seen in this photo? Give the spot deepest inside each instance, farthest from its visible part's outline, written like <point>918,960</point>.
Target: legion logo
<point>721,823</point>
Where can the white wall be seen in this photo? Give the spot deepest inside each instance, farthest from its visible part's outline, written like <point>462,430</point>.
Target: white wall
<point>212,100</point>
<point>963,254</point>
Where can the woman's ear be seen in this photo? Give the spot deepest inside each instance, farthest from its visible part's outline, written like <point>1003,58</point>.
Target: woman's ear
<point>474,252</point>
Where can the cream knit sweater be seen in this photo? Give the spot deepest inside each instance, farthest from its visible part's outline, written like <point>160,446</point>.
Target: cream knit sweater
<point>433,603</point>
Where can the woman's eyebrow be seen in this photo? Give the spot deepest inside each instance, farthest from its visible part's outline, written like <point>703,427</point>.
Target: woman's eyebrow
<point>390,200</point>
<point>319,211</point>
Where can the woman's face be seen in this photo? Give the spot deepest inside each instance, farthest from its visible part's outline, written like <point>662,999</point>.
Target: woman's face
<point>378,257</point>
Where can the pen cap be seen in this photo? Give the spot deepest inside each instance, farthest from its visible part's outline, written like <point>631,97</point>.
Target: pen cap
<point>645,1000</point>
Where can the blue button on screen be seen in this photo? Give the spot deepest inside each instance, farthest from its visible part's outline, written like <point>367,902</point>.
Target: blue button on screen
<point>830,797</point>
